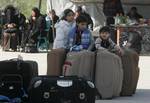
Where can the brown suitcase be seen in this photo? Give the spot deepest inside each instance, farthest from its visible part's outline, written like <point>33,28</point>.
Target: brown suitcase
<point>130,61</point>
<point>55,61</point>
<point>108,74</point>
<point>80,64</point>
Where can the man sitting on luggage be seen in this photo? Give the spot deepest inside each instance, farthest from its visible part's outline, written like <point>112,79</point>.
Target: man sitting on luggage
<point>104,41</point>
<point>80,37</point>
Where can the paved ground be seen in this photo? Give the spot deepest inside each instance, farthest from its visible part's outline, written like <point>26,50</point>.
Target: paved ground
<point>143,90</point>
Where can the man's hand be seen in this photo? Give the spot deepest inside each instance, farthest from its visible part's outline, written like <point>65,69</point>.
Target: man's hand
<point>120,50</point>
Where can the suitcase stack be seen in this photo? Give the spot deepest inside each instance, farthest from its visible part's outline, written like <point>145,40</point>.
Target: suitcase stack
<point>48,89</point>
<point>130,61</point>
<point>15,77</point>
<point>26,69</point>
<point>80,64</point>
<point>55,61</point>
<point>108,74</point>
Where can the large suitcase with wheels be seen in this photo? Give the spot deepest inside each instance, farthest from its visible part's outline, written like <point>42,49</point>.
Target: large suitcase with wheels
<point>11,86</point>
<point>54,89</point>
<point>130,61</point>
<point>26,69</point>
<point>55,61</point>
<point>108,74</point>
<point>80,63</point>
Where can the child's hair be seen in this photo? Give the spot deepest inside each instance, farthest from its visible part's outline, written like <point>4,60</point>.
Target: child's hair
<point>66,12</point>
<point>104,29</point>
<point>81,18</point>
<point>79,9</point>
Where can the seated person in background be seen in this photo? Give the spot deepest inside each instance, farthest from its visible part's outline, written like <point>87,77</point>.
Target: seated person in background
<point>22,24</point>
<point>104,41</point>
<point>11,24</point>
<point>134,15</point>
<point>54,17</point>
<point>80,37</point>
<point>51,20</point>
<point>110,9</point>
<point>36,26</point>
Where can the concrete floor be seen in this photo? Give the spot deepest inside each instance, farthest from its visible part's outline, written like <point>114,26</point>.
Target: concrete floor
<point>143,90</point>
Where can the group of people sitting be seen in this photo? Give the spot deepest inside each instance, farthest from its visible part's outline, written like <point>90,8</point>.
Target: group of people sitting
<point>72,31</point>
<point>18,30</point>
<point>74,35</point>
<point>15,29</point>
<point>113,8</point>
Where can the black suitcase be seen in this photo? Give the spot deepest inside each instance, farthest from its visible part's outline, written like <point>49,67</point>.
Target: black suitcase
<point>11,86</point>
<point>48,89</point>
<point>26,69</point>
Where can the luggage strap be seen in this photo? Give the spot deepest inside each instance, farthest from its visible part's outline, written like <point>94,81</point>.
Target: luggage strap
<point>65,66</point>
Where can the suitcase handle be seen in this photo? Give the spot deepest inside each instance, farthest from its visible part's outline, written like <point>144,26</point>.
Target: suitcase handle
<point>18,61</point>
<point>64,83</point>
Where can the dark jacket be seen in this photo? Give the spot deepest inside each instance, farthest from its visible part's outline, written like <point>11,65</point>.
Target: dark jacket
<point>37,27</point>
<point>136,16</point>
<point>11,15</point>
<point>110,9</point>
<point>55,19</point>
<point>135,40</point>
<point>22,19</point>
